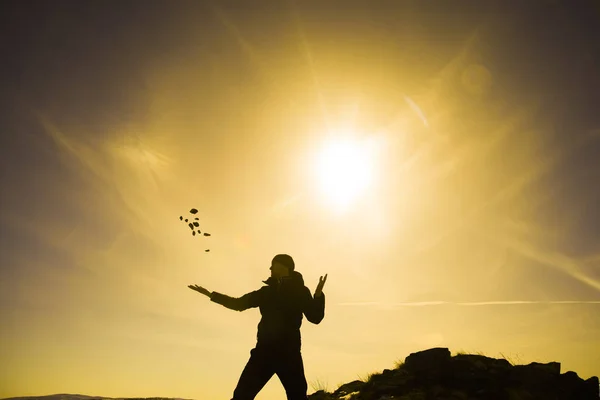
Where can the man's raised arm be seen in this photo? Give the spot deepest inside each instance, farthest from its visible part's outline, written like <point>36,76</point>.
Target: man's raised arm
<point>314,307</point>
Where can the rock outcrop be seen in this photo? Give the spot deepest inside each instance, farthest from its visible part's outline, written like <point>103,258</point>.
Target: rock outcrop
<point>435,374</point>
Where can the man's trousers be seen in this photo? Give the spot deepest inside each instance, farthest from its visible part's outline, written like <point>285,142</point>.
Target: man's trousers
<point>266,361</point>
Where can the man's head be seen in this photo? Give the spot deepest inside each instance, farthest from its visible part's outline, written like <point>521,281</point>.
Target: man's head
<point>282,265</point>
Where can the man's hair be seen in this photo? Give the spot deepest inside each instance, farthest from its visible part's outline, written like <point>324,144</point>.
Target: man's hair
<point>285,260</point>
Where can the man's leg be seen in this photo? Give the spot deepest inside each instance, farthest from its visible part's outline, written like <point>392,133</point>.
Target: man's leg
<point>259,369</point>
<point>290,370</point>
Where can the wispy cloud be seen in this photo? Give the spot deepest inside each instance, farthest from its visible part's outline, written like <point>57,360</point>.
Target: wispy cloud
<point>570,266</point>
<point>80,155</point>
<point>510,191</point>
<point>123,165</point>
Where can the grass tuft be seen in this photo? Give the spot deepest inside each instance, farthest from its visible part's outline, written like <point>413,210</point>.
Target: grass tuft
<point>399,363</point>
<point>319,384</point>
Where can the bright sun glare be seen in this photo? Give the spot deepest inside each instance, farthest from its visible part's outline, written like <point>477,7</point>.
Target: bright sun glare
<point>344,170</point>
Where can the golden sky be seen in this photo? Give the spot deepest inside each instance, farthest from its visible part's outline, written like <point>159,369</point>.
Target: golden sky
<point>420,159</point>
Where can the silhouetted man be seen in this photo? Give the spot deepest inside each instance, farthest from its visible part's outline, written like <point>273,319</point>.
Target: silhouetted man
<point>282,302</point>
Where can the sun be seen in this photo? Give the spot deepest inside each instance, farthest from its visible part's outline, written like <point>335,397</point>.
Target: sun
<point>344,170</point>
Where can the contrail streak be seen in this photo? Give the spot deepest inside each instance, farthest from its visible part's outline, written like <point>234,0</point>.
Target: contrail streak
<point>464,303</point>
<point>234,31</point>
<point>415,107</point>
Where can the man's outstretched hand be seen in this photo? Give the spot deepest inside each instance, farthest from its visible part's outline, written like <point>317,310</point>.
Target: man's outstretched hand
<point>319,289</point>
<point>200,289</point>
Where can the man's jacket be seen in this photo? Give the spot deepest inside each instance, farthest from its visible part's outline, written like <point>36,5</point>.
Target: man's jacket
<point>282,303</point>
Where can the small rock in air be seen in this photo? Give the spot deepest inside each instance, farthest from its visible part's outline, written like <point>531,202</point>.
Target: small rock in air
<point>196,224</point>
<point>207,250</point>
<point>193,211</point>
<point>206,234</point>
<point>180,218</point>
<point>199,231</point>
<point>193,233</point>
<point>191,226</point>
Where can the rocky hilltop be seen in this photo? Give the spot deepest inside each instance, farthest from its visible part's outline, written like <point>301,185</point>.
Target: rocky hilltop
<point>436,375</point>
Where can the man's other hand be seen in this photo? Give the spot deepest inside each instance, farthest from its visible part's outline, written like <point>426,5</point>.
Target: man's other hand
<point>319,289</point>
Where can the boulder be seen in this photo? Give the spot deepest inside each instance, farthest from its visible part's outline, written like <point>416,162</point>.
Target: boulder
<point>426,360</point>
<point>571,386</point>
<point>592,387</point>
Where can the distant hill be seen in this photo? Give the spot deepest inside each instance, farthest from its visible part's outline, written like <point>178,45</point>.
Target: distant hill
<point>435,374</point>
<point>65,396</point>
